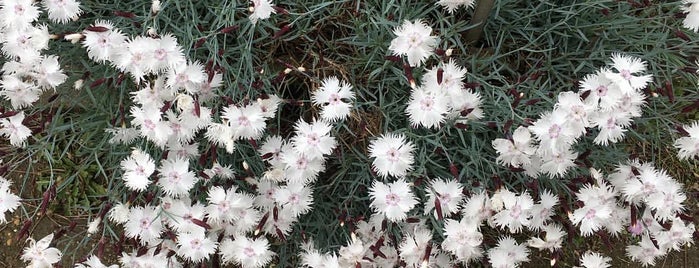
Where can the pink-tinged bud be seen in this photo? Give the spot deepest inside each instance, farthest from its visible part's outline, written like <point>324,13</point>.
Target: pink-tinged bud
<point>669,92</point>
<point>166,106</point>
<point>393,58</point>
<point>229,29</point>
<point>454,170</point>
<point>286,28</point>
<point>261,224</point>
<point>471,85</point>
<point>99,29</point>
<point>461,126</point>
<point>681,35</point>
<point>409,75</point>
<point>200,223</point>
<point>532,101</point>
<point>412,220</point>
<point>280,234</point>
<point>24,230</point>
<point>98,82</point>
<point>199,42</point>
<point>438,208</point>
<point>127,15</point>
<point>440,75</point>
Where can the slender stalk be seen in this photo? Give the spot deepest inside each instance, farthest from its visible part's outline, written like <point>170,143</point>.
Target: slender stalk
<point>480,15</point>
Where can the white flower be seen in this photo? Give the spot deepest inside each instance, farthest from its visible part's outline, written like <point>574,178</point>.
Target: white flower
<point>463,239</point>
<point>413,39</point>
<point>269,106</point>
<point>628,68</point>
<point>195,246</point>
<point>246,122</point>
<point>144,224</point>
<point>644,252</point>
<point>594,260</point>
<point>392,154</point>
<point>246,252</point>
<point>611,126</point>
<point>478,207</point>
<point>553,132</point>
<point>448,193</point>
<point>149,121</point>
<point>175,177</point>
<point>543,211</point>
<point>62,10</point>
<point>135,56</point>
<point>261,9</point>
<point>604,93</point>
<point>271,149</point>
<point>94,262</point>
<point>137,168</point>
<point>516,211</point>
<point>168,54</point>
<point>515,152</point>
<point>313,140</point>
<point>119,213</point>
<point>556,164</point>
<point>18,13</point>
<point>680,234</point>
<point>13,129</point>
<point>394,200</point>
<point>452,5</point>
<point>20,93</point>
<point>39,254</point>
<point>552,241</point>
<point>335,99</point>
<point>49,74</point>
<point>691,8</point>
<point>300,167</point>
<point>221,135</point>
<point>427,109</point>
<point>508,253</point>
<point>596,210</point>
<point>8,200</point>
<point>689,146</point>
<point>295,198</point>
<point>575,110</point>
<point>413,247</point>
<point>184,76</point>
<point>101,46</point>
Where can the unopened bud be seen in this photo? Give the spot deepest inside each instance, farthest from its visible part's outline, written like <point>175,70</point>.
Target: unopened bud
<point>448,52</point>
<point>151,32</point>
<point>74,38</point>
<point>301,69</point>
<point>78,85</point>
<point>287,70</point>
<point>155,7</point>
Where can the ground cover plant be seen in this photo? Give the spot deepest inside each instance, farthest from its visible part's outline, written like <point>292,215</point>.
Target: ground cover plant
<point>348,133</point>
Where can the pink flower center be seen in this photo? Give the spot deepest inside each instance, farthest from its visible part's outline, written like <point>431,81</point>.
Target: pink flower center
<point>243,121</point>
<point>611,123</point>
<point>195,244</point>
<point>140,171</point>
<point>145,223</point>
<point>602,91</point>
<point>149,124</point>
<point>174,176</point>
<point>426,104</point>
<point>554,131</point>
<point>334,99</point>
<point>590,214</point>
<point>312,139</point>
<point>160,54</point>
<point>301,163</point>
<point>249,251</point>
<point>393,155</point>
<point>516,211</point>
<point>392,199</point>
<point>294,199</point>
<point>19,9</point>
<point>626,74</point>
